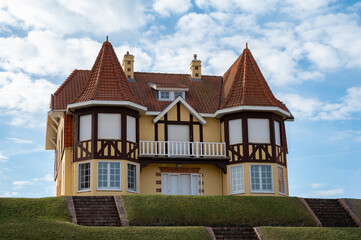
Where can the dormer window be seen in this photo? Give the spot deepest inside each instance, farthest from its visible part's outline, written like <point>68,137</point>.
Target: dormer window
<point>169,95</point>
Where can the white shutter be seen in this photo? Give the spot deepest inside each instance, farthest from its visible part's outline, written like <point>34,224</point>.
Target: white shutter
<point>131,129</point>
<point>278,133</point>
<point>258,130</point>
<point>85,127</point>
<point>235,131</point>
<point>109,126</point>
<point>179,133</point>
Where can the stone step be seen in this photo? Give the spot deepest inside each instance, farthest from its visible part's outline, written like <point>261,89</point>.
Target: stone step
<point>330,213</point>
<point>226,233</point>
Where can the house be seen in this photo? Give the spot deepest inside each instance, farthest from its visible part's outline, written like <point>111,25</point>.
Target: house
<point>116,131</point>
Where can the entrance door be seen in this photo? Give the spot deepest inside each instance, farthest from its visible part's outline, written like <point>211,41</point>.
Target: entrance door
<point>178,137</point>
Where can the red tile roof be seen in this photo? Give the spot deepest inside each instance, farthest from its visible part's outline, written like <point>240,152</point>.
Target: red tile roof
<point>203,95</point>
<point>69,89</point>
<point>244,85</point>
<point>107,80</point>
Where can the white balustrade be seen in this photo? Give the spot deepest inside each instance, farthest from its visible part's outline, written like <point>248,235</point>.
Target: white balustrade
<point>188,149</point>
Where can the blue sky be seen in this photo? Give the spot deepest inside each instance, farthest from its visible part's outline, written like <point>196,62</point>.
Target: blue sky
<point>309,51</point>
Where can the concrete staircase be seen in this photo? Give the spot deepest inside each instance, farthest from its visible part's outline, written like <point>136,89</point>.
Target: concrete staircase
<point>330,213</point>
<point>96,211</point>
<point>227,233</point>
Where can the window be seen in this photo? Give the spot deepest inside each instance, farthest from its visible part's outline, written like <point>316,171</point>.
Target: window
<point>169,95</point>
<point>84,176</point>
<point>109,126</point>
<point>178,137</point>
<point>128,69</point>
<point>85,127</point>
<point>131,129</point>
<point>278,133</point>
<point>109,175</point>
<point>261,178</point>
<point>258,130</point>
<point>235,131</point>
<point>132,177</point>
<point>196,68</point>
<point>129,76</point>
<point>237,181</point>
<point>197,74</point>
<point>128,62</point>
<point>281,180</point>
<point>181,184</point>
<point>176,94</point>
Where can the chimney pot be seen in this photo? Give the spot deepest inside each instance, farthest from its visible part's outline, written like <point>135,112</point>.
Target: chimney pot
<point>195,56</point>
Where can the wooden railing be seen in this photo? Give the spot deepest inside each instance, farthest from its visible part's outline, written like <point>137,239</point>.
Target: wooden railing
<point>178,149</point>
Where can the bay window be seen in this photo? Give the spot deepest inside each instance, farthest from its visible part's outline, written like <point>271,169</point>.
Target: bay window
<point>235,131</point>
<point>84,176</point>
<point>109,126</point>
<point>132,177</point>
<point>258,130</point>
<point>237,179</point>
<point>85,127</point>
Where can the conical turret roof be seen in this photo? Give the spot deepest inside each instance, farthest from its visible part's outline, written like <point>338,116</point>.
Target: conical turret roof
<point>107,80</point>
<point>244,85</point>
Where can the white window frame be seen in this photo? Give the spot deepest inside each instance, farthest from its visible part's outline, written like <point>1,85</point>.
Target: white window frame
<point>260,179</point>
<point>79,177</point>
<point>171,95</point>
<point>278,135</point>
<point>178,174</point>
<point>129,119</point>
<point>108,174</point>
<point>242,179</point>
<point>284,183</point>
<point>136,178</point>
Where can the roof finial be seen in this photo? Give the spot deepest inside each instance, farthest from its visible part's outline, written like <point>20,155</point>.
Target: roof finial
<point>195,56</point>
<point>107,38</point>
<point>246,45</point>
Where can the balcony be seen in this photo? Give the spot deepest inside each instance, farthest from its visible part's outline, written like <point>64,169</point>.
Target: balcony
<point>182,149</point>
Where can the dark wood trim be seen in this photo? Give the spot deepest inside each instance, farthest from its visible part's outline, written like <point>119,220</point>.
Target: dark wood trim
<point>191,137</point>
<point>124,132</point>
<point>201,133</point>
<point>245,136</point>
<point>178,112</point>
<point>272,135</point>
<point>166,127</point>
<point>219,162</point>
<point>156,132</point>
<point>178,122</point>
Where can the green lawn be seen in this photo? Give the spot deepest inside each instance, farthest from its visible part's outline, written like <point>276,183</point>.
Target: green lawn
<point>47,218</point>
<point>310,233</point>
<point>355,205</point>
<point>155,210</point>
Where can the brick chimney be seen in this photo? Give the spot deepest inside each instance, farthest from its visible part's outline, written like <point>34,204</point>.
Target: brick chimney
<point>128,65</point>
<point>196,66</point>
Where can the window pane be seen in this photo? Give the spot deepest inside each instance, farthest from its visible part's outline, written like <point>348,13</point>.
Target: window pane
<point>258,130</point>
<point>131,129</point>
<point>281,184</point>
<point>195,185</point>
<point>277,133</point>
<point>235,131</point>
<point>132,177</point>
<point>164,95</point>
<point>237,181</point>
<point>109,175</point>
<point>176,94</point>
<point>185,184</point>
<point>165,184</point>
<point>84,176</point>
<point>109,126</point>
<point>174,185</point>
<point>85,126</point>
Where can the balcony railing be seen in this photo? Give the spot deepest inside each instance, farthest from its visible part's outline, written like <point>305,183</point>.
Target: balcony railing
<point>181,149</point>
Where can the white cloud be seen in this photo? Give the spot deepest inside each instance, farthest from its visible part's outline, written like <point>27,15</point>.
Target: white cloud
<point>46,53</point>
<point>254,7</point>
<point>24,98</point>
<point>19,140</point>
<point>9,194</point>
<point>21,184</point>
<point>314,109</point>
<point>354,135</point>
<point>66,16</point>
<point>46,178</point>
<point>3,158</point>
<point>329,193</point>
<point>317,185</point>
<point>142,61</point>
<point>166,7</point>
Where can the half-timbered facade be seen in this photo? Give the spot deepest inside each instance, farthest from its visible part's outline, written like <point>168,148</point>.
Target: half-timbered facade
<point>116,131</point>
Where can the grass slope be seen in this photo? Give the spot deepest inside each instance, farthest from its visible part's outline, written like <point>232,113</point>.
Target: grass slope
<point>309,233</point>
<point>47,218</point>
<point>156,210</point>
<point>355,205</point>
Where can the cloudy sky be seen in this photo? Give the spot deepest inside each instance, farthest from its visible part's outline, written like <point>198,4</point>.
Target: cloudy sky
<point>308,50</point>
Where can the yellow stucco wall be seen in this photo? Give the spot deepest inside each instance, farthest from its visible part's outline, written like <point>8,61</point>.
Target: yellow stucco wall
<point>93,191</point>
